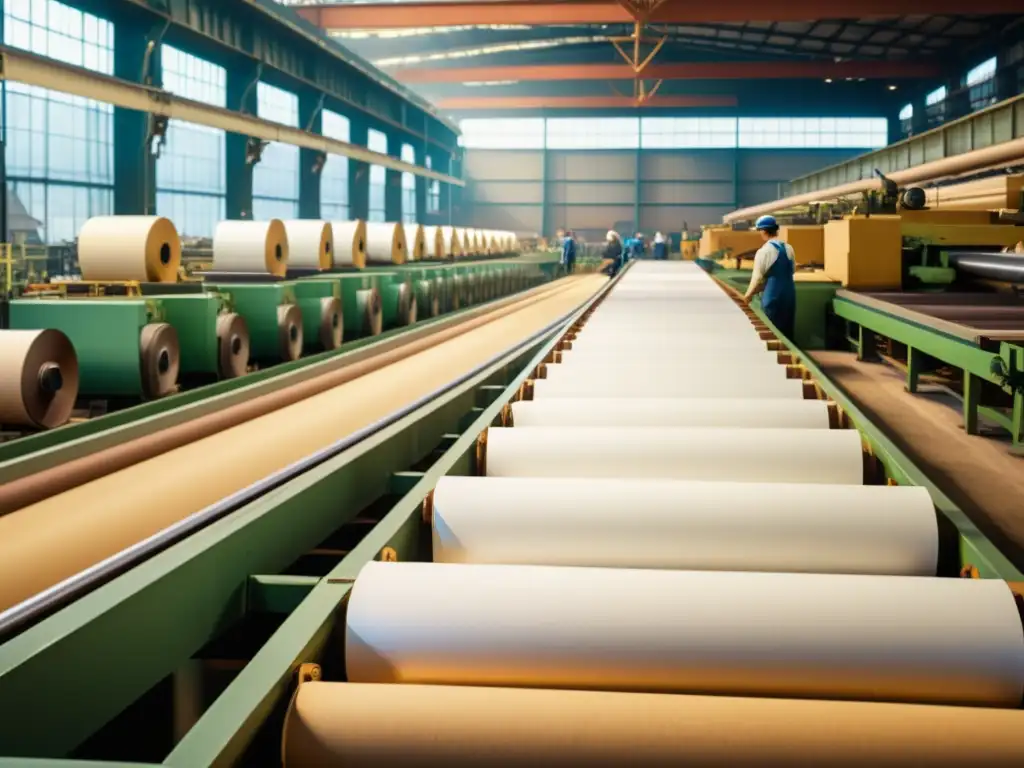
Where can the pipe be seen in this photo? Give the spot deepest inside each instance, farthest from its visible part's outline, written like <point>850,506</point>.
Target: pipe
<point>1006,152</point>
<point>1006,268</point>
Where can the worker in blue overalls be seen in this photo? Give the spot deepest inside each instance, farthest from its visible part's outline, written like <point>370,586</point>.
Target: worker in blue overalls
<point>773,274</point>
<point>569,251</point>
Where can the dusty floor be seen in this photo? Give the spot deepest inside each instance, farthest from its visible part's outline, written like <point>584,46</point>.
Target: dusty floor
<point>977,472</point>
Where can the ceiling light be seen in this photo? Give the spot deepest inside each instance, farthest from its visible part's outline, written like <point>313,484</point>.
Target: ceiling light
<point>828,79</point>
<point>892,87</point>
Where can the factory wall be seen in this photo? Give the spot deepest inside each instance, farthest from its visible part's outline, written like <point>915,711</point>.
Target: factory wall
<point>538,191</point>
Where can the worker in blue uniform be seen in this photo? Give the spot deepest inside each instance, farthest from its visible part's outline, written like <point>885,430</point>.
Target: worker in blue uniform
<point>569,251</point>
<point>773,274</point>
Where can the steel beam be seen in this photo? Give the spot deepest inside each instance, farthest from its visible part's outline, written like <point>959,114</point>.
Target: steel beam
<point>22,67</point>
<point>582,102</point>
<point>733,70</point>
<point>553,12</point>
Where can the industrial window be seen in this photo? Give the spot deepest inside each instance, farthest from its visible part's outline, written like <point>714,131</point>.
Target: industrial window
<point>907,119</point>
<point>591,133</point>
<point>190,174</point>
<point>502,133</point>
<point>433,190</point>
<point>813,132</point>
<point>59,148</point>
<point>275,178</point>
<point>377,142</point>
<point>687,132</point>
<point>409,212</point>
<point>907,112</point>
<point>935,105</point>
<point>981,84</point>
<point>334,176</point>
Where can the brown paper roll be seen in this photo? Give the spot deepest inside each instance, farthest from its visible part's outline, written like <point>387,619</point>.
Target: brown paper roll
<point>160,358</point>
<point>289,328</point>
<point>38,378</point>
<point>420,726</point>
<point>331,327</point>
<point>142,248</point>
<point>232,345</point>
<point>251,246</point>
<point>310,243</point>
<point>349,243</point>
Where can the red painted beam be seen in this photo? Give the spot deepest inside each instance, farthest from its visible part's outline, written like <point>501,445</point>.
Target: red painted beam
<point>581,102</point>
<point>739,70</point>
<point>539,13</point>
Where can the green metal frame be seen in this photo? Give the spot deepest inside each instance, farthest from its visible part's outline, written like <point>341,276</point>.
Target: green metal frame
<point>1003,368</point>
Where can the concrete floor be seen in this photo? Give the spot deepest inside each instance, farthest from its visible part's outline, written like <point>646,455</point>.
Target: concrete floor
<point>977,472</point>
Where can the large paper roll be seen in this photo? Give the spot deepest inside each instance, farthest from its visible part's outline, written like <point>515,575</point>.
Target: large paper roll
<point>832,456</point>
<point>468,239</point>
<point>349,243</point>
<point>233,343</point>
<point>310,243</point>
<point>431,726</point>
<point>453,245</point>
<point>881,638</point>
<point>142,248</point>
<point>251,246</point>
<point>686,525</point>
<point>385,243</point>
<point>667,412</point>
<point>707,386</point>
<point>415,242</point>
<point>289,332</point>
<point>331,327</point>
<point>160,359</point>
<point>38,378</point>
<point>435,247</point>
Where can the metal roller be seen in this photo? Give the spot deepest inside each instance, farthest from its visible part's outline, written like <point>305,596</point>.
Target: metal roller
<point>1006,268</point>
<point>331,323</point>
<point>232,346</point>
<point>289,328</point>
<point>159,359</point>
<point>458,292</point>
<point>428,303</point>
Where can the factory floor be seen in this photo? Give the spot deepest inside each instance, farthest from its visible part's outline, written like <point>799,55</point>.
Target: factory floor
<point>979,473</point>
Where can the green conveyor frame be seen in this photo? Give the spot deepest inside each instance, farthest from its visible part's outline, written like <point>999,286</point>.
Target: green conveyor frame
<point>308,295</point>
<point>194,317</point>
<point>257,303</point>
<point>108,648</point>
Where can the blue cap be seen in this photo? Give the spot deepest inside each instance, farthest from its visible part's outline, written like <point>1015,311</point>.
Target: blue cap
<point>766,222</point>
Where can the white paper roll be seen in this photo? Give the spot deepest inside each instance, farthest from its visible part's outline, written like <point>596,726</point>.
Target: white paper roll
<point>739,382</point>
<point>415,242</point>
<point>668,412</point>
<point>466,241</point>
<point>757,634</point>
<point>385,243</point>
<point>251,246</point>
<point>821,456</point>
<point>349,243</point>
<point>129,248</point>
<point>452,242</point>
<point>686,525</point>
<point>310,243</point>
<point>435,247</point>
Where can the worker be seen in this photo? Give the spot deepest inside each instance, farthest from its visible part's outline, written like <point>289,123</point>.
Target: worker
<point>569,251</point>
<point>660,247</point>
<point>773,274</point>
<point>637,251</point>
<point>613,254</point>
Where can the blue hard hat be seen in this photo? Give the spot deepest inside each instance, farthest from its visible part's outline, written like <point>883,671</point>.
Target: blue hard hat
<point>766,222</point>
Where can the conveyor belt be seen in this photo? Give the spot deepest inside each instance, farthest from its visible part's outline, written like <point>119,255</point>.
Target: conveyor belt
<point>51,540</point>
<point>595,562</point>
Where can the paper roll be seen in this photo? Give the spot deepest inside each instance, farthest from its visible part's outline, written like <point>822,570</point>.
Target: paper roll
<point>116,248</point>
<point>430,726</point>
<point>436,249</point>
<point>824,456</point>
<point>289,330</point>
<point>468,239</point>
<point>706,386</point>
<point>415,242</point>
<point>159,358</point>
<point>233,345</point>
<point>349,243</point>
<point>310,243</point>
<point>38,378</point>
<point>879,638</point>
<point>251,246</point>
<point>667,412</point>
<point>686,525</point>
<point>453,243</point>
<point>331,324</point>
<point>385,243</point>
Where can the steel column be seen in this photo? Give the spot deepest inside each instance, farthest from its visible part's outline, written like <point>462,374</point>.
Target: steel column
<point>310,160</point>
<point>136,59</point>
<point>241,95</point>
<point>358,172</point>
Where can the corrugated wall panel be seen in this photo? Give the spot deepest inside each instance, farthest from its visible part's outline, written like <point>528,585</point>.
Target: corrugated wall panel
<point>521,219</point>
<point>668,219</point>
<point>514,192</point>
<point>502,165</point>
<point>704,164</point>
<point>785,164</point>
<point>592,192</point>
<point>686,192</point>
<point>596,166</point>
<point>596,218</point>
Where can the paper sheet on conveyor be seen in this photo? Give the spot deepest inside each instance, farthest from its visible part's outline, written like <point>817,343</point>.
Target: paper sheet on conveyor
<point>49,541</point>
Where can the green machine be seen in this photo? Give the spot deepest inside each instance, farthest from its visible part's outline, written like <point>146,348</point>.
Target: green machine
<point>427,294</point>
<point>214,339</point>
<point>319,301</point>
<point>360,303</point>
<point>272,316</point>
<point>125,346</point>
<point>397,299</point>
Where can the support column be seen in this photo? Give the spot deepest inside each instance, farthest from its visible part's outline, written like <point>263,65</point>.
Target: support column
<point>894,127</point>
<point>426,216</point>
<point>358,172</point>
<point>393,182</point>
<point>241,93</point>
<point>311,161</point>
<point>958,99</point>
<point>136,59</point>
<point>919,120</point>
<point>446,166</point>
<point>545,211</point>
<point>1006,78</point>
<point>455,212</point>
<point>637,174</point>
